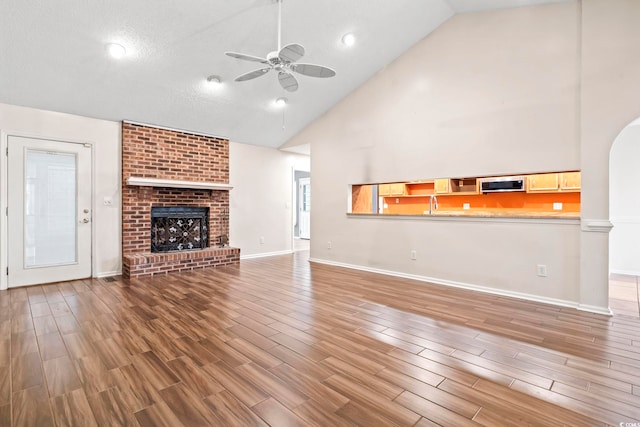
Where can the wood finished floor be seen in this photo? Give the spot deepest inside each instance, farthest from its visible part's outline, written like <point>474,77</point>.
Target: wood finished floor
<point>624,294</point>
<point>277,341</point>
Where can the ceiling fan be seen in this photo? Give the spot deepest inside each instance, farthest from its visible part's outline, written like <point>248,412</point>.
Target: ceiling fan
<point>283,61</point>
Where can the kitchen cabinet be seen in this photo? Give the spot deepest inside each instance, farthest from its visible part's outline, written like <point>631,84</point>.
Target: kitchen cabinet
<point>384,189</point>
<point>392,189</point>
<point>398,189</point>
<point>441,186</point>
<point>570,181</point>
<point>553,182</point>
<point>543,182</point>
<point>464,186</point>
<point>456,186</point>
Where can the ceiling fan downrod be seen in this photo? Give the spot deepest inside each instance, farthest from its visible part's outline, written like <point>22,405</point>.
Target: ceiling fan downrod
<point>279,25</point>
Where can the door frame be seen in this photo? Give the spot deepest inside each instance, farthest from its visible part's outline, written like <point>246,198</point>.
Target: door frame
<point>294,202</point>
<point>301,203</point>
<point>4,190</point>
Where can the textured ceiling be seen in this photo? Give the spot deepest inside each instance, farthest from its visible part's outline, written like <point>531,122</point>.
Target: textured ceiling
<point>52,56</point>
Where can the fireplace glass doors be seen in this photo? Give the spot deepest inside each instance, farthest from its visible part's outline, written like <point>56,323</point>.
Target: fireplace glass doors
<point>179,228</point>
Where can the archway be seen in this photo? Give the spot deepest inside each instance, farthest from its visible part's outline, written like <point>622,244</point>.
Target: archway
<point>624,211</point>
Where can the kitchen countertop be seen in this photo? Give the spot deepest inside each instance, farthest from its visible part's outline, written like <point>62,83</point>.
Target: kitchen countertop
<point>511,214</point>
<point>482,214</point>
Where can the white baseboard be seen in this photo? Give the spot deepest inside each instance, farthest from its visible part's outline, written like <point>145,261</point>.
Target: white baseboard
<point>107,274</point>
<point>624,272</point>
<point>265,254</point>
<point>594,309</point>
<point>472,287</point>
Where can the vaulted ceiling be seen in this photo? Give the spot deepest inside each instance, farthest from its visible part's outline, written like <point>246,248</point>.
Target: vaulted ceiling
<point>53,57</point>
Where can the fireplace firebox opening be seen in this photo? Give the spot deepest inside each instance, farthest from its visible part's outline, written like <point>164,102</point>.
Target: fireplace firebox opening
<point>179,228</point>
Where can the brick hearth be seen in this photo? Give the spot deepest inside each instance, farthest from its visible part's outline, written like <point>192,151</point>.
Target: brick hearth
<point>148,264</point>
<point>149,152</point>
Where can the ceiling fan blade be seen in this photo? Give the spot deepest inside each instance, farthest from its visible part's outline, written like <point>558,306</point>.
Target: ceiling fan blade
<point>312,70</point>
<point>246,57</point>
<point>252,74</point>
<point>287,81</point>
<point>291,52</point>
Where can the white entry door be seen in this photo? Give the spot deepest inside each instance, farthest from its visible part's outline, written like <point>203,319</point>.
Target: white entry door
<point>304,210</point>
<point>49,211</point>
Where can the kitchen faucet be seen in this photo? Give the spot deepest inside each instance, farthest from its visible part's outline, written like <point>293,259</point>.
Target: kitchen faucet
<point>433,203</point>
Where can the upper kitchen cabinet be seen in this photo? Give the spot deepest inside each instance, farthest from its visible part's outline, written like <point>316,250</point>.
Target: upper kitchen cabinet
<point>456,186</point>
<point>543,182</point>
<point>570,181</point>
<point>442,186</point>
<point>460,186</point>
<point>553,182</point>
<point>392,189</point>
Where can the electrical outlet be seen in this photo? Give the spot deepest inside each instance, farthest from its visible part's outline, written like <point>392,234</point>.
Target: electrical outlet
<point>414,254</point>
<point>329,245</point>
<point>262,240</point>
<point>466,206</point>
<point>542,270</point>
<point>107,201</point>
<point>397,200</point>
<point>557,206</point>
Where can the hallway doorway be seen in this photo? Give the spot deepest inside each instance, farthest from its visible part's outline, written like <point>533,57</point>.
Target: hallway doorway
<point>624,214</point>
<point>302,211</point>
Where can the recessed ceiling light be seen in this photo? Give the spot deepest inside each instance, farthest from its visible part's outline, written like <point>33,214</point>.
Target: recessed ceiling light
<point>281,102</point>
<point>214,81</point>
<point>348,39</point>
<point>116,50</point>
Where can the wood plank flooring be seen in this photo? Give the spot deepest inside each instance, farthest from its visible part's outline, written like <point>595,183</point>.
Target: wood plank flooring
<point>279,341</point>
<point>624,294</point>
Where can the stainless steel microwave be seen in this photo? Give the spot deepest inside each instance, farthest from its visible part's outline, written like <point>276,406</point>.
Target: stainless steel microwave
<point>502,183</point>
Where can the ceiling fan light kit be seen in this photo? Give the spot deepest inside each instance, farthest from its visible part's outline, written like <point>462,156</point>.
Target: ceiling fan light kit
<point>349,39</point>
<point>283,61</point>
<point>116,50</point>
<point>214,81</point>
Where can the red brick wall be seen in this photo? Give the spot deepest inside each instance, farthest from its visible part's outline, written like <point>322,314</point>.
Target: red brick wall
<point>159,153</point>
<point>166,154</point>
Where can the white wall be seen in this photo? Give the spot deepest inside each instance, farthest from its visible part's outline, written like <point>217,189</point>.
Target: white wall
<point>624,240</point>
<point>105,137</point>
<point>260,203</point>
<point>487,93</point>
<point>610,89</point>
<point>261,198</point>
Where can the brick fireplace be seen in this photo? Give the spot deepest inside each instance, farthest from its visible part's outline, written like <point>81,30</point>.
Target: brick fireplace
<point>164,168</point>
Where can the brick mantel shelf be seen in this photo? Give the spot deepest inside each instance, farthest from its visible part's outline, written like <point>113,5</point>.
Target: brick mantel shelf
<point>172,183</point>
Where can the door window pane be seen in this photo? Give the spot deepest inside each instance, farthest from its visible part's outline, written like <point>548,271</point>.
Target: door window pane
<point>306,197</point>
<point>50,208</point>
